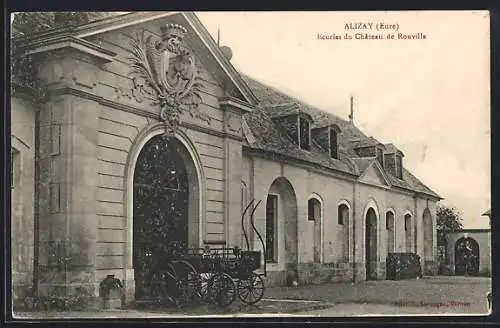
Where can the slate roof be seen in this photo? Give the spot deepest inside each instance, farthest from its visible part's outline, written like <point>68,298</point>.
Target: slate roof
<point>391,149</point>
<point>267,136</point>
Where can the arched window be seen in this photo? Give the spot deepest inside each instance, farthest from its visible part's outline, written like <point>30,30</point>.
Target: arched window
<point>314,209</point>
<point>314,214</point>
<point>343,221</point>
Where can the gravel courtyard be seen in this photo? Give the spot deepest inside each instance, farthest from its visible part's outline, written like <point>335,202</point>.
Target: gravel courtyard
<point>430,295</point>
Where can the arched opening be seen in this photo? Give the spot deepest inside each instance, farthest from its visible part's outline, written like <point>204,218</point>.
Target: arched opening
<point>165,208</point>
<point>428,240</point>
<point>314,214</point>
<point>408,232</point>
<point>389,224</point>
<point>343,221</point>
<point>281,207</point>
<point>371,244</point>
<point>466,257</point>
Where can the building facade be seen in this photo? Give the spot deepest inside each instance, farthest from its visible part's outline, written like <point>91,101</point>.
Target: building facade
<point>146,135</point>
<point>469,252</point>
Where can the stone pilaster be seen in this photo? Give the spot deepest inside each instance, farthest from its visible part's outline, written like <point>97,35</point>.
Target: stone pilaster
<point>233,112</point>
<point>68,165</point>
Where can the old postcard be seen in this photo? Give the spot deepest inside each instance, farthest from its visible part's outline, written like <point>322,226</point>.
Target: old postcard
<point>178,164</point>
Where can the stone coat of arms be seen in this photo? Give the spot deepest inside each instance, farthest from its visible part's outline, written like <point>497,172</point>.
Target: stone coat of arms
<point>165,71</point>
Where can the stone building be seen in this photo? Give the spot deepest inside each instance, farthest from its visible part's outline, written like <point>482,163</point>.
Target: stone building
<point>139,121</point>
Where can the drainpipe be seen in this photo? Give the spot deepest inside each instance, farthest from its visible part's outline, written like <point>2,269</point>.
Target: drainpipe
<point>354,232</point>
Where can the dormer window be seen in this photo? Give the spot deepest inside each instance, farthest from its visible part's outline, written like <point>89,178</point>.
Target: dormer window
<point>399,166</point>
<point>393,159</point>
<point>304,134</point>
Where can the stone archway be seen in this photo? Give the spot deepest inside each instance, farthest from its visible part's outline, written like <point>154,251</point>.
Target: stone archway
<point>371,251</point>
<point>466,257</point>
<point>165,208</point>
<point>285,211</point>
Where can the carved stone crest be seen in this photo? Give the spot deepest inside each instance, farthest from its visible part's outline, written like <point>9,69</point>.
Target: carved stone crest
<point>164,70</point>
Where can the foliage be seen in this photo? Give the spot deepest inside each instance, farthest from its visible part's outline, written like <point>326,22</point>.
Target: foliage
<point>24,74</point>
<point>403,266</point>
<point>449,219</point>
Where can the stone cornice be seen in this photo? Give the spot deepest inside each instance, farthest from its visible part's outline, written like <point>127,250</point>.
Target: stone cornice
<point>65,41</point>
<point>234,103</point>
<point>127,108</point>
<point>332,173</point>
<point>270,155</point>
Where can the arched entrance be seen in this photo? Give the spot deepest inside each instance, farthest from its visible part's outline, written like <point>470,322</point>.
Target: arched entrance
<point>466,257</point>
<point>428,241</point>
<point>281,206</point>
<point>165,208</point>
<point>371,244</point>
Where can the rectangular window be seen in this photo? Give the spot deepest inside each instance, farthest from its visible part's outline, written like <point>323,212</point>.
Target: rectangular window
<point>304,134</point>
<point>271,219</point>
<point>333,144</point>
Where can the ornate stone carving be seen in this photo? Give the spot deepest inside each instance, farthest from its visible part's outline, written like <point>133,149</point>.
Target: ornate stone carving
<point>164,71</point>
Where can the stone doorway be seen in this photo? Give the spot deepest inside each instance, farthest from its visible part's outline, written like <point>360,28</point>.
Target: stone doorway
<point>161,190</point>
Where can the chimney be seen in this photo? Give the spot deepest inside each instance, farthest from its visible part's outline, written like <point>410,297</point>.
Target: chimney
<point>351,113</point>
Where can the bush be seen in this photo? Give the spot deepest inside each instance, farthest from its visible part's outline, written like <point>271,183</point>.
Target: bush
<point>403,266</point>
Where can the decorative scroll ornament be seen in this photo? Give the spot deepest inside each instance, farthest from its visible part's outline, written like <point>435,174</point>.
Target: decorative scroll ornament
<point>165,70</point>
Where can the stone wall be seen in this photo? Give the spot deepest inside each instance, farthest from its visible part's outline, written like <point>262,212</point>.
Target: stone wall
<point>22,196</point>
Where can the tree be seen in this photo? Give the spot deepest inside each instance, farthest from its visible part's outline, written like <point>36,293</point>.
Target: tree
<point>449,219</point>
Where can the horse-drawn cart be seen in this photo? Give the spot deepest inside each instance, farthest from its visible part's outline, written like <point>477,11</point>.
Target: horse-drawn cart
<point>214,275</point>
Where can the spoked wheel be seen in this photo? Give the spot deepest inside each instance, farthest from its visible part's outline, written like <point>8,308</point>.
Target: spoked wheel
<point>251,290</point>
<point>205,281</point>
<point>187,281</point>
<point>221,290</point>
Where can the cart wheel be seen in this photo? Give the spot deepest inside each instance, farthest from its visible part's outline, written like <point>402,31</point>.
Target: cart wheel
<point>221,289</point>
<point>188,282</point>
<point>251,290</point>
<point>205,281</point>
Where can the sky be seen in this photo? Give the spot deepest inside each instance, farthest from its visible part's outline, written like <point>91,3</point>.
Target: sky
<point>430,97</point>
